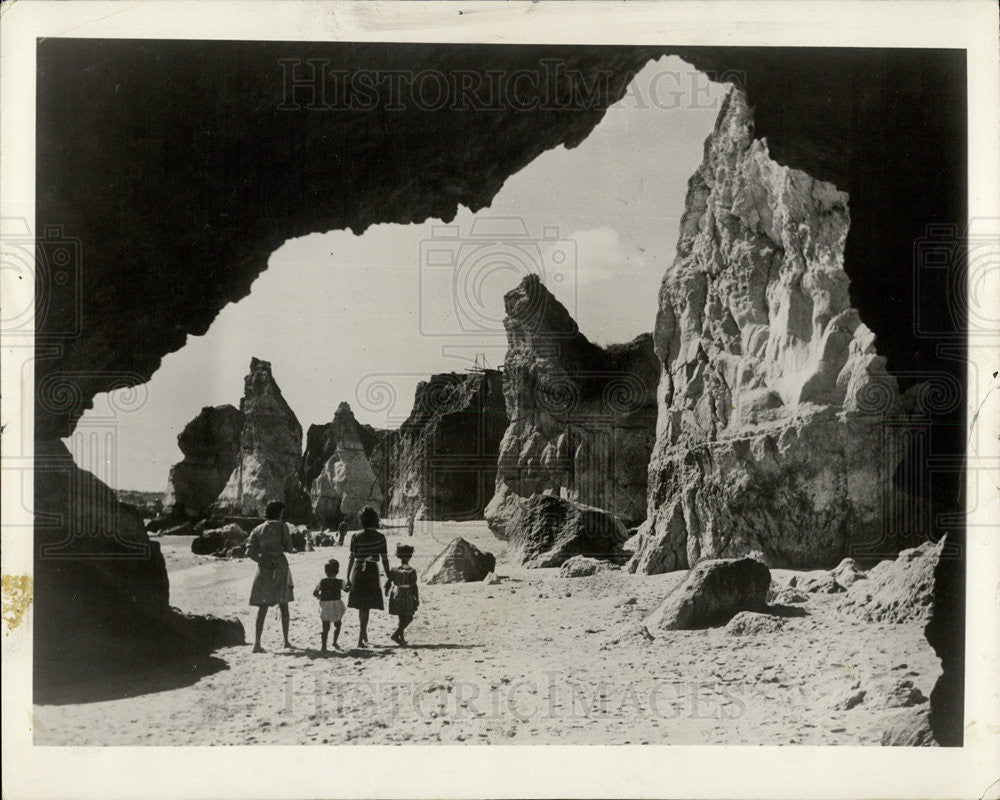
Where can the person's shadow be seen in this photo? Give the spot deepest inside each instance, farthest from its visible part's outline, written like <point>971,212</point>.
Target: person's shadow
<point>372,651</point>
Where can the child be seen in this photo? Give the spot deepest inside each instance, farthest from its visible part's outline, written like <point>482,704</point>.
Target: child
<point>402,590</point>
<point>331,607</point>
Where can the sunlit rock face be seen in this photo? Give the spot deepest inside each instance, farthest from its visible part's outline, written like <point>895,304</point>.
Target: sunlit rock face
<point>210,444</point>
<point>270,451</point>
<point>336,470</point>
<point>773,430</point>
<point>582,417</point>
<point>442,462</point>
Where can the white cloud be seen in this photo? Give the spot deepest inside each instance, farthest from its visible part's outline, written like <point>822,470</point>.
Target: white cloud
<point>602,253</point>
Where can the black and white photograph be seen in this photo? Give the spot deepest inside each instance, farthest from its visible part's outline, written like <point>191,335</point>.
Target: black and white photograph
<point>540,388</point>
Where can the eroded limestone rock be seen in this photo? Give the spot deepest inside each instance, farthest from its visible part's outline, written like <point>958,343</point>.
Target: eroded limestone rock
<point>582,417</point>
<point>337,471</point>
<point>772,396</point>
<point>211,445</point>
<point>270,451</point>
<point>546,531</point>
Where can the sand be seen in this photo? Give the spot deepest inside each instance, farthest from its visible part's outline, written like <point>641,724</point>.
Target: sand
<point>527,661</point>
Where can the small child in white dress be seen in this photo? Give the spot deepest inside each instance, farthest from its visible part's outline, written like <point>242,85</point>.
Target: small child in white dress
<point>331,607</point>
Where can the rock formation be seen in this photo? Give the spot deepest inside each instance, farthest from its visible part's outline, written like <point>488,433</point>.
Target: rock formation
<point>210,444</point>
<point>770,431</point>
<point>897,590</point>
<point>545,531</point>
<point>946,631</point>
<point>582,417</point>
<point>267,463</point>
<point>105,582</point>
<point>442,462</point>
<point>881,124</point>
<point>336,471</point>
<point>459,562</point>
<point>219,541</point>
<point>750,623</point>
<point>583,567</point>
<point>712,594</point>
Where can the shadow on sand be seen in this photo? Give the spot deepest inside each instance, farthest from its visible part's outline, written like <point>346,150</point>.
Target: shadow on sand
<point>787,611</point>
<point>372,651</point>
<point>174,674</point>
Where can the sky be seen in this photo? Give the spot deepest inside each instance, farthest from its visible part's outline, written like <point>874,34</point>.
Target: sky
<point>363,318</point>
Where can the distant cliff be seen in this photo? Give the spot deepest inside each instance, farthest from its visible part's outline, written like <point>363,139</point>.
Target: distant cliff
<point>442,462</point>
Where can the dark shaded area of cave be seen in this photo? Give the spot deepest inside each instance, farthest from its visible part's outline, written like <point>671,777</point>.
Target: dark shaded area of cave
<point>173,171</point>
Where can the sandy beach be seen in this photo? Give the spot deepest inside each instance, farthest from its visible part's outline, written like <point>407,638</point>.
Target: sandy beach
<point>530,660</point>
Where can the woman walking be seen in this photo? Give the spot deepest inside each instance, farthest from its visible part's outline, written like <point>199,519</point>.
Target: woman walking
<point>272,585</point>
<point>368,547</point>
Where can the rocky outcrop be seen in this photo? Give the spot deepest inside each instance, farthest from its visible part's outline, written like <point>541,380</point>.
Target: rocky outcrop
<point>712,594</point>
<point>582,417</point>
<point>770,431</point>
<point>219,541</point>
<point>583,567</point>
<point>459,562</point>
<point>442,462</point>
<point>908,729</point>
<point>749,623</point>
<point>897,590</point>
<point>546,531</point>
<point>336,470</point>
<point>946,631</point>
<point>211,445</point>
<point>104,580</point>
<point>267,463</point>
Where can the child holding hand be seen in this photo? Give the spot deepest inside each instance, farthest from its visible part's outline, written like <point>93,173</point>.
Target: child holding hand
<point>331,607</point>
<point>401,587</point>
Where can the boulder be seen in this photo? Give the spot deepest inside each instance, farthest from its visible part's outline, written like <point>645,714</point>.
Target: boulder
<point>323,539</point>
<point>442,461</point>
<point>582,417</point>
<point>894,693</point>
<point>896,590</point>
<point>337,472</point>
<point>269,454</point>
<point>848,698</point>
<point>772,393</point>
<point>582,566</point>
<point>752,622</point>
<point>210,444</point>
<point>460,562</point>
<point>817,582</point>
<point>246,523</point>
<point>788,596</point>
<point>712,594</point>
<point>545,531</point>
<point>218,541</point>
<point>847,573</point>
